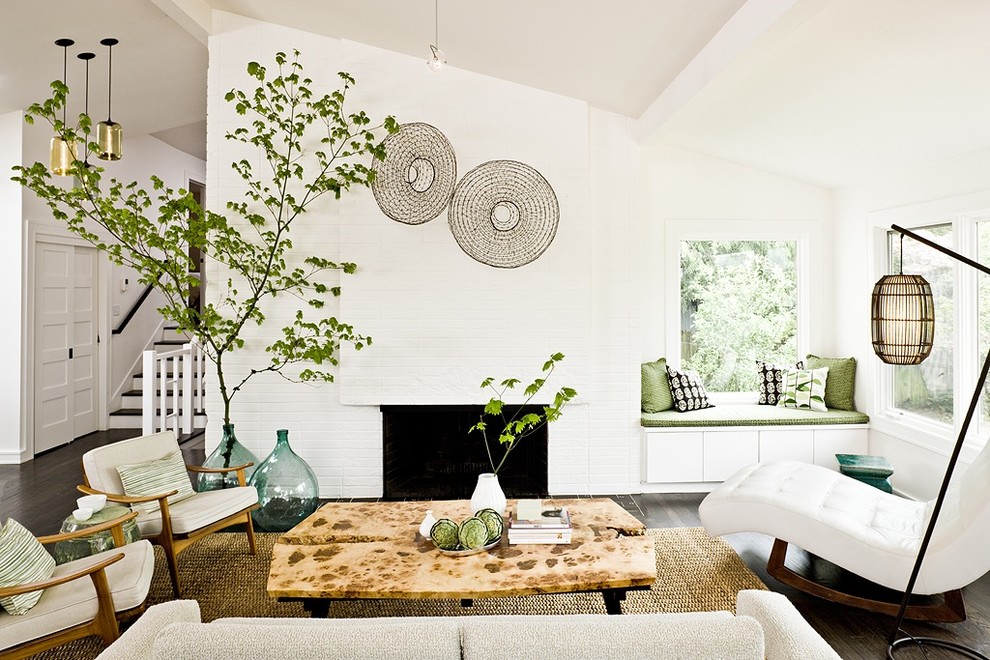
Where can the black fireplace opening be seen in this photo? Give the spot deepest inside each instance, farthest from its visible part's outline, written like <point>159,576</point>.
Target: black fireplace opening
<point>429,454</point>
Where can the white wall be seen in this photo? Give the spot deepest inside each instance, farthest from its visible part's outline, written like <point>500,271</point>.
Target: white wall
<point>440,320</point>
<point>919,462</point>
<point>13,331</point>
<point>684,187</point>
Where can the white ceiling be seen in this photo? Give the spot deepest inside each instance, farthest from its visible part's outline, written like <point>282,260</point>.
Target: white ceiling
<point>835,92</point>
<point>615,55</point>
<point>159,70</point>
<point>861,89</point>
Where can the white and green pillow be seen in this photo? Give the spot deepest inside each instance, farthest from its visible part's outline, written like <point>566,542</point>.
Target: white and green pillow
<point>23,560</point>
<point>156,477</point>
<point>804,389</point>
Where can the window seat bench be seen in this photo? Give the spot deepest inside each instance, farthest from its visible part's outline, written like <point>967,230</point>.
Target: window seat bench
<point>751,415</point>
<point>695,451</point>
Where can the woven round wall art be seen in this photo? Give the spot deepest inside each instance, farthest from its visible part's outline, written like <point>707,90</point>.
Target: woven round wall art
<point>414,183</point>
<point>504,214</point>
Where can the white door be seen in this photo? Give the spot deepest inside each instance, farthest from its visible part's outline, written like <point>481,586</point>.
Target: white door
<point>65,390</point>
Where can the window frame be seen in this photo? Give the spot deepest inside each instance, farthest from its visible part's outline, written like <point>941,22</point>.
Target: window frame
<point>800,231</point>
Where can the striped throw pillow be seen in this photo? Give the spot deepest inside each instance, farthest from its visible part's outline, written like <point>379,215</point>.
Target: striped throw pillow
<point>804,389</point>
<point>156,477</point>
<point>23,560</point>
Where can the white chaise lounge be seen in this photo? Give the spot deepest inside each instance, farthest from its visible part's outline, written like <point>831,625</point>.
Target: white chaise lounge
<point>862,529</point>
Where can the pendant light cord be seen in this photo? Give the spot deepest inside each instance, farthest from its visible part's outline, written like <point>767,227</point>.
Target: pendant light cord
<point>65,76</point>
<point>86,57</point>
<point>109,82</point>
<point>902,255</point>
<point>436,23</point>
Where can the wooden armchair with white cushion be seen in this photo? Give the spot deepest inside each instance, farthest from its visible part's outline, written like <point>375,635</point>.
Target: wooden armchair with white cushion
<point>80,598</point>
<point>148,474</point>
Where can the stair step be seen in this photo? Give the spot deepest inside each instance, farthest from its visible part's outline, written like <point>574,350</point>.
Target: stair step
<point>139,393</point>
<point>125,412</point>
<point>130,418</point>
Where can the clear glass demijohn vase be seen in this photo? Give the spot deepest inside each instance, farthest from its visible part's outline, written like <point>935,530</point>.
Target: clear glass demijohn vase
<point>287,488</point>
<point>228,453</point>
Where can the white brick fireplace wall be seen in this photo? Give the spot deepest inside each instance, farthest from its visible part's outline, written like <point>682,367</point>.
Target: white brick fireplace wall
<point>441,321</point>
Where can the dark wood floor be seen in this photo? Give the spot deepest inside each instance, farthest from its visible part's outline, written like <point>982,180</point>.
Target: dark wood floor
<point>40,494</point>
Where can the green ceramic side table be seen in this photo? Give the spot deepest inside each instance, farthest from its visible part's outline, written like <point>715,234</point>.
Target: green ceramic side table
<point>872,470</point>
<point>98,541</point>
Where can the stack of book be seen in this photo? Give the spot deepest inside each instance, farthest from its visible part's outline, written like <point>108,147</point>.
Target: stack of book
<point>535,523</point>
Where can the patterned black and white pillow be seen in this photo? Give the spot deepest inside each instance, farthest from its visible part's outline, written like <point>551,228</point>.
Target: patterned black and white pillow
<point>772,381</point>
<point>687,390</point>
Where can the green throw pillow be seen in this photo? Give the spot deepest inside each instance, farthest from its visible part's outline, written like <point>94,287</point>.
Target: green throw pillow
<point>841,391</point>
<point>23,560</point>
<point>156,477</point>
<point>804,389</point>
<point>655,388</point>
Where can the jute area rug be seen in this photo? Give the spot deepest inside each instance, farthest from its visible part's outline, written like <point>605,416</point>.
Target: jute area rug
<point>696,573</point>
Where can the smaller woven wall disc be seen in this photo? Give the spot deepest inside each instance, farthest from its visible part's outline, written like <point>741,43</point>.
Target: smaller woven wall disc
<point>416,180</point>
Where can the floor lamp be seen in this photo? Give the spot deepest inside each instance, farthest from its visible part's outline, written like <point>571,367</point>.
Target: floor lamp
<point>902,328</point>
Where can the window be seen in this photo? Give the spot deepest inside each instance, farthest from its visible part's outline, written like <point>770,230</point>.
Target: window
<point>926,394</point>
<point>926,389</point>
<point>738,304</point>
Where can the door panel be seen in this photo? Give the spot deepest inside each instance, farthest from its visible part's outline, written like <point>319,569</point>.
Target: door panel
<point>66,306</point>
<point>53,374</point>
<point>84,341</point>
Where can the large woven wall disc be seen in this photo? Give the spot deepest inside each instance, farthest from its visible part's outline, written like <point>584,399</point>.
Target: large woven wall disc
<point>504,213</point>
<point>416,180</point>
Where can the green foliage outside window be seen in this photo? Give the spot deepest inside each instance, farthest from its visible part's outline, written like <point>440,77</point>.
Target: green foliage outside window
<point>738,305</point>
<point>926,389</point>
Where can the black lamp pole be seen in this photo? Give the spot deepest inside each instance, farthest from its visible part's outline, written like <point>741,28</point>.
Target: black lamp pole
<point>895,642</point>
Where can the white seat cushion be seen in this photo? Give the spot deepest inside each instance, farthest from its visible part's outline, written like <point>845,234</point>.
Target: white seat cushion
<point>861,528</point>
<point>690,636</point>
<point>436,639</point>
<point>199,510</point>
<point>75,602</point>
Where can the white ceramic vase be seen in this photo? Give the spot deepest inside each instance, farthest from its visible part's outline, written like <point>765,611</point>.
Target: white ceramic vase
<point>488,494</point>
<point>428,522</point>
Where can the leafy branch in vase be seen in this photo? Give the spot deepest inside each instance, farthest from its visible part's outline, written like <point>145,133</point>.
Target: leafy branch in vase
<point>518,425</point>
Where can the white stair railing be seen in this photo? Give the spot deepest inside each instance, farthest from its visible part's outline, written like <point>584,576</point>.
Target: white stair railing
<point>172,389</point>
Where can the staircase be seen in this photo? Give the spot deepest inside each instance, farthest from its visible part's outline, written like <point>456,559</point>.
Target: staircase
<point>131,413</point>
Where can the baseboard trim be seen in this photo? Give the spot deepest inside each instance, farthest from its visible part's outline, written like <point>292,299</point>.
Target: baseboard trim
<point>15,457</point>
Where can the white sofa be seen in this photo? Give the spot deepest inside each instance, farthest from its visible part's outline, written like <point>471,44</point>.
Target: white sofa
<point>767,625</point>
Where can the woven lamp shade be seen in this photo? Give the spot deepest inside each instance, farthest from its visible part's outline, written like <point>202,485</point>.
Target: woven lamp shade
<point>903,319</point>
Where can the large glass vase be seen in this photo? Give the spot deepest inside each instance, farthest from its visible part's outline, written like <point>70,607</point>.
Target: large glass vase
<point>287,488</point>
<point>228,453</point>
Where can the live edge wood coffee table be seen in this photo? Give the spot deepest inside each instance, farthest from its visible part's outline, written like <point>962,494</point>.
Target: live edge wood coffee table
<point>349,550</point>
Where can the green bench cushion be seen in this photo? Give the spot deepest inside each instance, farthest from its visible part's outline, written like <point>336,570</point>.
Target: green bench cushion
<point>751,415</point>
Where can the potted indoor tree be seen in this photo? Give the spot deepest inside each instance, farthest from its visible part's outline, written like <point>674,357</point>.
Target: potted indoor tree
<point>151,230</point>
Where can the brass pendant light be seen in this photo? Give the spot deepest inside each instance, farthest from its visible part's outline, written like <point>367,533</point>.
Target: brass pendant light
<point>62,152</point>
<point>109,134</point>
<point>902,317</point>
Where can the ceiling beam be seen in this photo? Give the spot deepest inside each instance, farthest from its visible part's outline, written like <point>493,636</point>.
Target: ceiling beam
<point>752,22</point>
<point>194,16</point>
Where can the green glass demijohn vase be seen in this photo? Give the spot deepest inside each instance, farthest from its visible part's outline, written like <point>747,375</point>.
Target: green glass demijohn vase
<point>287,488</point>
<point>228,453</point>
